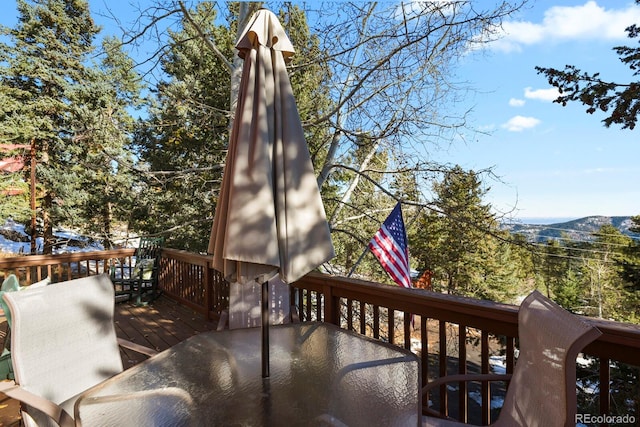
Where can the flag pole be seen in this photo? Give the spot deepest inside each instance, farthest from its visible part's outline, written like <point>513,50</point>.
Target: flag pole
<point>358,261</point>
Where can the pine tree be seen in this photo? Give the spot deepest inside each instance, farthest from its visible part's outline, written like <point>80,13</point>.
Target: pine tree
<point>105,122</point>
<point>182,144</point>
<point>630,262</point>
<point>554,265</point>
<point>459,242</point>
<point>607,295</point>
<point>60,100</point>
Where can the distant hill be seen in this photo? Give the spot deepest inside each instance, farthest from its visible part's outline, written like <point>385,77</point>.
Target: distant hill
<point>578,229</point>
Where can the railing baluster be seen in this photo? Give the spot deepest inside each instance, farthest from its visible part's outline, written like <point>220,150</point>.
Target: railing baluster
<point>485,385</point>
<point>424,345</point>
<point>442,357</point>
<point>407,330</point>
<point>376,321</point>
<point>319,301</point>
<point>308,305</point>
<point>510,356</point>
<point>462,369</point>
<point>391,326</point>
<point>350,314</point>
<point>605,392</point>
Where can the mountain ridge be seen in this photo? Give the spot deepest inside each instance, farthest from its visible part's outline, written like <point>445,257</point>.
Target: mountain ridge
<point>581,229</point>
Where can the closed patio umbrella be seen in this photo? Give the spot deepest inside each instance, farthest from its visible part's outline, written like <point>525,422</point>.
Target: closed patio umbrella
<point>269,218</point>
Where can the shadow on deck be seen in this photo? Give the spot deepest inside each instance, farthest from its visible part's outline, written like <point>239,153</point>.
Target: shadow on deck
<point>159,326</point>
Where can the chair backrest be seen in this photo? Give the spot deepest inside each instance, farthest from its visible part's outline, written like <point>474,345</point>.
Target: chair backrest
<point>542,391</point>
<point>63,338</point>
<point>149,248</point>
<point>147,257</point>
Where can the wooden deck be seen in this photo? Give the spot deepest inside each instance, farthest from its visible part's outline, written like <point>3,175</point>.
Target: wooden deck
<point>159,325</point>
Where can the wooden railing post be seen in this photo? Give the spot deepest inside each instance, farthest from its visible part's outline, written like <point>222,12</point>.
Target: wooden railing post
<point>331,306</point>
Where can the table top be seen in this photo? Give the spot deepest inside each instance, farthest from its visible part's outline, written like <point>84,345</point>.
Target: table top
<point>319,375</point>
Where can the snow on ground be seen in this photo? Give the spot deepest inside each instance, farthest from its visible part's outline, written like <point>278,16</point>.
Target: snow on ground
<point>498,364</point>
<point>496,401</point>
<point>69,241</point>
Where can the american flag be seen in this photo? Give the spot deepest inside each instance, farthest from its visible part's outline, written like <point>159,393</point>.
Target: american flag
<point>389,245</point>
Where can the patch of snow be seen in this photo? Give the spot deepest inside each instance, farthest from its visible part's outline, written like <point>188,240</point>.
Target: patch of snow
<point>498,364</point>
<point>584,362</point>
<point>496,401</point>
<point>74,241</point>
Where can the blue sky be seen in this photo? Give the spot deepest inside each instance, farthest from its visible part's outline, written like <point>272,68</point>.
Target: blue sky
<point>552,161</point>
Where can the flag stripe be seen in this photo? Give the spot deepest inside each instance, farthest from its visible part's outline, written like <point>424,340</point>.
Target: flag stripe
<point>396,274</point>
<point>392,247</point>
<point>389,245</point>
<point>389,249</point>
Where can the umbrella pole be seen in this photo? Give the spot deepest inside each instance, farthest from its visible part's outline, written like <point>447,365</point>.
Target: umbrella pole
<point>265,329</point>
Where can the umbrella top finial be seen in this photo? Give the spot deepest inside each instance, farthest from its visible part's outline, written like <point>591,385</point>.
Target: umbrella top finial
<point>264,29</point>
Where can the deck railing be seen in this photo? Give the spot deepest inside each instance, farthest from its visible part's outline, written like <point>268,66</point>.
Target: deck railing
<point>450,334</point>
<point>461,335</point>
<point>60,267</point>
<point>189,279</point>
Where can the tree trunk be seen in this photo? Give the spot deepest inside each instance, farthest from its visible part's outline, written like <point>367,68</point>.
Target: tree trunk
<point>49,240</point>
<point>106,225</point>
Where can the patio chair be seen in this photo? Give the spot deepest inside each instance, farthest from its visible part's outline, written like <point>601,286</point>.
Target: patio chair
<point>542,389</point>
<point>63,341</point>
<point>142,277</point>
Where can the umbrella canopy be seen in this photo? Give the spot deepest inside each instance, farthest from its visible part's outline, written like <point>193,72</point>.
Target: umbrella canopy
<point>269,217</point>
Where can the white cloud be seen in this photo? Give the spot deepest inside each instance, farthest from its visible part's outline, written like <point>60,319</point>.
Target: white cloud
<point>514,102</point>
<point>520,123</point>
<point>541,94</point>
<point>563,23</point>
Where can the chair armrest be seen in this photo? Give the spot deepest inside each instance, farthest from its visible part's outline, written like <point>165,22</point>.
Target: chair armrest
<point>55,412</point>
<point>458,378</point>
<point>137,347</point>
<point>464,377</point>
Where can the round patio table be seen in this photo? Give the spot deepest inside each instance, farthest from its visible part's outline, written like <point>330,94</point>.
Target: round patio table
<point>320,375</point>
